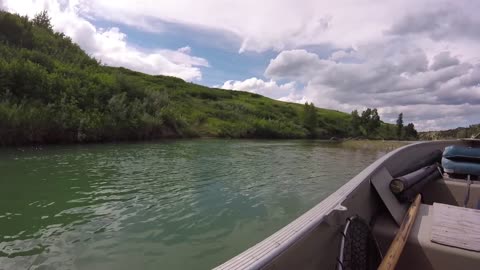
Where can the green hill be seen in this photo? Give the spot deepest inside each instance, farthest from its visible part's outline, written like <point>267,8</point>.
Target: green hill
<point>53,92</point>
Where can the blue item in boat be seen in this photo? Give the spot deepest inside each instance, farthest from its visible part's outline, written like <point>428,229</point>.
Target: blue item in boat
<point>462,153</point>
<point>460,167</point>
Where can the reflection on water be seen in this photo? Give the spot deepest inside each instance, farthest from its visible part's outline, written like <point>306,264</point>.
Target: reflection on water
<point>187,204</point>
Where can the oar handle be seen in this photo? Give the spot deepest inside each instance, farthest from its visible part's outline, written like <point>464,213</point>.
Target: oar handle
<point>395,250</point>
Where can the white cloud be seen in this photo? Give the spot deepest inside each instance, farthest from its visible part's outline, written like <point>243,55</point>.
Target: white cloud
<point>185,49</point>
<point>295,98</point>
<point>258,86</point>
<point>111,45</point>
<point>434,117</point>
<point>262,25</point>
<point>394,78</point>
<point>295,65</point>
<point>286,24</point>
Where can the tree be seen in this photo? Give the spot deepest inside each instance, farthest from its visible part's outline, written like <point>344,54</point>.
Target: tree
<point>356,122</point>
<point>399,125</point>
<point>15,30</point>
<point>310,118</point>
<point>374,121</point>
<point>388,131</point>
<point>410,131</point>
<point>367,124</point>
<point>42,20</point>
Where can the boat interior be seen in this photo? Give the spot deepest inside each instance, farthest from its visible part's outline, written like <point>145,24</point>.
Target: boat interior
<point>461,250</point>
<point>446,230</point>
<point>445,233</point>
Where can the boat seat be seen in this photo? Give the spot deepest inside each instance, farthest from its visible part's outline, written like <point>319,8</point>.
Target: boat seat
<point>461,160</point>
<point>419,250</point>
<point>452,192</point>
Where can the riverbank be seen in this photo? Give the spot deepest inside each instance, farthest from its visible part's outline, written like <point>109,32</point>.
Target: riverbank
<point>374,144</point>
<point>362,144</point>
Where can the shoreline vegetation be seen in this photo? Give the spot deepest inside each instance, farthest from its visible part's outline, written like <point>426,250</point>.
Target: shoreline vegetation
<point>52,92</point>
<point>472,131</point>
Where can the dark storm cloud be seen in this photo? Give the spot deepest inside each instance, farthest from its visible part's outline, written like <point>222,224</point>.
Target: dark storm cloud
<point>472,79</point>
<point>450,21</point>
<point>443,60</point>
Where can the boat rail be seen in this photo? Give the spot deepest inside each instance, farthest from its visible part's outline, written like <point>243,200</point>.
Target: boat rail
<point>264,252</point>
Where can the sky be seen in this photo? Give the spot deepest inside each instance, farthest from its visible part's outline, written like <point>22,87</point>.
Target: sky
<point>420,58</point>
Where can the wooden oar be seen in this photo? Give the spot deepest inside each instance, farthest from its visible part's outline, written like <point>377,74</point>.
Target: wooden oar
<point>395,250</point>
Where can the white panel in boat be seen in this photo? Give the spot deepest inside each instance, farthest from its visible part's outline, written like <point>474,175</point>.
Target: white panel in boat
<point>456,226</point>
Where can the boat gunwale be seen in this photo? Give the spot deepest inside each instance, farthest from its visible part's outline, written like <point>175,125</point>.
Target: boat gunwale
<point>267,250</point>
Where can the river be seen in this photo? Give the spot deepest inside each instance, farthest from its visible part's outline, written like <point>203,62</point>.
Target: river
<point>179,204</point>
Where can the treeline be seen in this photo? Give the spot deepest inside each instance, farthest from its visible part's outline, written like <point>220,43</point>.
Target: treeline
<point>472,131</point>
<point>369,125</point>
<point>51,91</point>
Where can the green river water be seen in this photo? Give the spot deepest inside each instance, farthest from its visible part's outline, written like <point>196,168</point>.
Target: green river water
<point>180,204</point>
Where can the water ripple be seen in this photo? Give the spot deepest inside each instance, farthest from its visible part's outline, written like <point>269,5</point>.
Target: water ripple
<point>173,205</point>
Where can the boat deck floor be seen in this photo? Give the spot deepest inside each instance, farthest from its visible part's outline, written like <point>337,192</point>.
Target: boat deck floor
<point>419,250</point>
<point>455,230</point>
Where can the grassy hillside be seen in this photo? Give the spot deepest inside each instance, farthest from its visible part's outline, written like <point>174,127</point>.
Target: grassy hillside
<point>53,92</point>
<point>457,133</point>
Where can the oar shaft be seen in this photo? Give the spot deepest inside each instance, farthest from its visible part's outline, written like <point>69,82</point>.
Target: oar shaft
<point>395,250</point>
